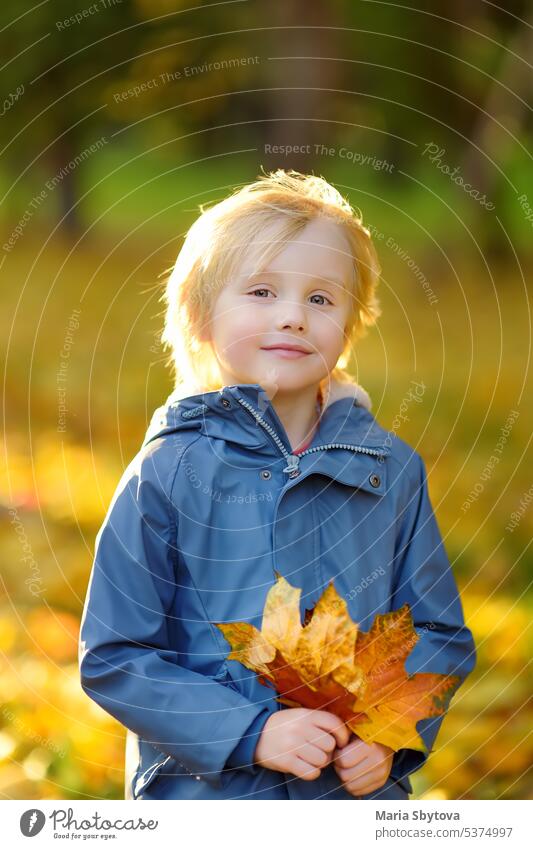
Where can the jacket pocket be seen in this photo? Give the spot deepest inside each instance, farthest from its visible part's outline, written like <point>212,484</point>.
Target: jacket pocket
<point>145,777</point>
<point>154,763</point>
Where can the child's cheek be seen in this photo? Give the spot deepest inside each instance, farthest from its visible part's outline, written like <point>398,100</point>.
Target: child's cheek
<point>235,339</point>
<point>242,354</point>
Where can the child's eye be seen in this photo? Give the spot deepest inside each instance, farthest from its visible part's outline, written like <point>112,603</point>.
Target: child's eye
<point>259,290</point>
<point>323,299</point>
<point>321,303</point>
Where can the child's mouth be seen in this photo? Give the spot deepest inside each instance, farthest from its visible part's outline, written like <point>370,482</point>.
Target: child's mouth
<point>286,353</point>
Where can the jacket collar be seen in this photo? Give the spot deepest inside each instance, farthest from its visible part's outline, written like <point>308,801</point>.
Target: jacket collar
<point>243,414</point>
<point>345,417</point>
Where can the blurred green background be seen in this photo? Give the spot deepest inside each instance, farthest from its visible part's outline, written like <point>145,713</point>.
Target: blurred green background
<point>116,124</point>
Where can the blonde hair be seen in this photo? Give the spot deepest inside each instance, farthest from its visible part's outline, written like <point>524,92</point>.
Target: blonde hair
<point>260,218</point>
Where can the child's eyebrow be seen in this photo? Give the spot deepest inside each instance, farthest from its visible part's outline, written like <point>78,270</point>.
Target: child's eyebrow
<point>333,280</point>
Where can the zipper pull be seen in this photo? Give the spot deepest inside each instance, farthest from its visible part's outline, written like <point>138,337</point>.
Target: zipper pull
<point>293,462</point>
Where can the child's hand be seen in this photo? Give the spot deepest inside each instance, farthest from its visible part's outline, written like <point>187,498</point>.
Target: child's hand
<point>363,767</point>
<point>300,741</point>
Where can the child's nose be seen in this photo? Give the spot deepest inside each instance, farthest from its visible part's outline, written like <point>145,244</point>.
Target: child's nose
<point>291,314</point>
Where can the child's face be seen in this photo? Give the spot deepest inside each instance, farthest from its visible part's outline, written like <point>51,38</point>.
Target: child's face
<point>299,299</point>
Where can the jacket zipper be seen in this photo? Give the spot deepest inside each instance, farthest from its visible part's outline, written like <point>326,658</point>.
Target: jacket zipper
<point>293,460</point>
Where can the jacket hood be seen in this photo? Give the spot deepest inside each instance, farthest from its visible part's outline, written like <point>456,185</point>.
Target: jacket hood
<point>332,390</point>
<point>335,390</point>
<point>234,413</point>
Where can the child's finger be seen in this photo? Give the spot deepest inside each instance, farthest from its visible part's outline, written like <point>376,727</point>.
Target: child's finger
<point>365,784</point>
<point>318,736</point>
<point>363,789</point>
<point>361,774</point>
<point>341,733</point>
<point>343,736</point>
<point>304,770</point>
<point>330,722</point>
<point>352,754</point>
<point>313,755</point>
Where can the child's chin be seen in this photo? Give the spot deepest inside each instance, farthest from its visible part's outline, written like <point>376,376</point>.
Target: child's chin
<point>283,386</point>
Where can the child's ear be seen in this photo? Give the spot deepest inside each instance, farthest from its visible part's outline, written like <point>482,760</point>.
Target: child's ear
<point>205,332</point>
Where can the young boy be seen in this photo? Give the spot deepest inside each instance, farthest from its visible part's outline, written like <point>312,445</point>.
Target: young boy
<point>265,457</point>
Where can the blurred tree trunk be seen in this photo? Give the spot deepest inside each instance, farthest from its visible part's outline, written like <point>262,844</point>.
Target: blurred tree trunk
<point>490,142</point>
<point>299,86</point>
<point>61,154</point>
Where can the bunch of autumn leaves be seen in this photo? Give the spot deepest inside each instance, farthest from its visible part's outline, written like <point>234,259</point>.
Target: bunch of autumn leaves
<point>328,664</point>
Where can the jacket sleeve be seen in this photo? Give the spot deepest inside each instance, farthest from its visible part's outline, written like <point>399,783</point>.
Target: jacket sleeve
<point>243,754</point>
<point>423,577</point>
<point>126,663</point>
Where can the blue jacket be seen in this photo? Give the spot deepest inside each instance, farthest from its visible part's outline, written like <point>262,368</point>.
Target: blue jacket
<point>213,503</point>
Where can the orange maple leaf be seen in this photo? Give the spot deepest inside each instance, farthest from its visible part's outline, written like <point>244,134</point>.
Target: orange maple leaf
<point>328,664</point>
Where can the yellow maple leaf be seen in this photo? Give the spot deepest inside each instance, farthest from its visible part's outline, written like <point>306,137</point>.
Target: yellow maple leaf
<point>328,664</point>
